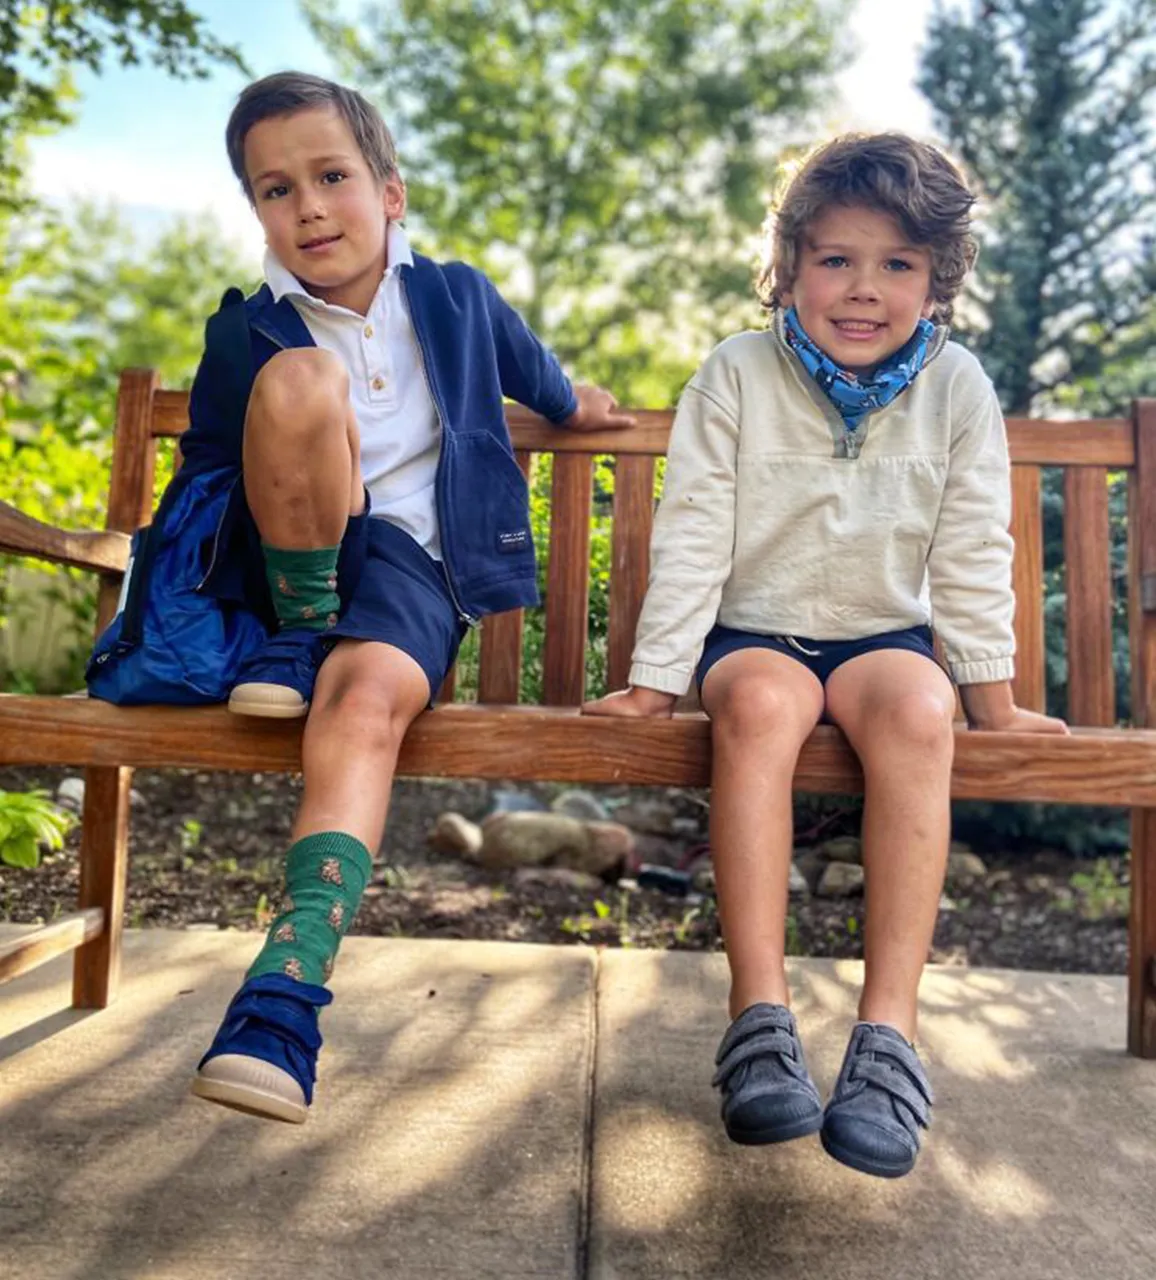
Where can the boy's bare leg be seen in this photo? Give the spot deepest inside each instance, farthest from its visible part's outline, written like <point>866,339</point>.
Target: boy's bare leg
<point>367,695</point>
<point>896,709</point>
<point>301,454</point>
<point>762,707</point>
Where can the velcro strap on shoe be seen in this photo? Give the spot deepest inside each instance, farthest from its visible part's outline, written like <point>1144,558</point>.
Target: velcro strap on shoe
<point>777,1042</point>
<point>753,1021</point>
<point>899,1084</point>
<point>904,1056</point>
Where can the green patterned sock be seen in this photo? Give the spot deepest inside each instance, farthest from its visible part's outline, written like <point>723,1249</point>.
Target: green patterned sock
<point>304,586</point>
<point>325,876</point>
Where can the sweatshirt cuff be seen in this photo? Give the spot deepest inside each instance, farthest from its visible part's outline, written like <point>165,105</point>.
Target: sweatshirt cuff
<point>664,679</point>
<point>988,671</point>
<point>562,414</point>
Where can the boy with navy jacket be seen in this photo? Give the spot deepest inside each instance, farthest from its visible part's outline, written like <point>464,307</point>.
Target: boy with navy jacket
<point>374,512</point>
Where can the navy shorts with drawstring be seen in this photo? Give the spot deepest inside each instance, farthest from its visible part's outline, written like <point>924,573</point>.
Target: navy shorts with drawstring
<point>401,597</point>
<point>820,657</point>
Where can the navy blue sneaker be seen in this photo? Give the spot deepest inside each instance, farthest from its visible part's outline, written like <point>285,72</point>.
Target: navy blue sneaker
<point>264,1058</point>
<point>880,1102</point>
<point>768,1094</point>
<point>278,679</point>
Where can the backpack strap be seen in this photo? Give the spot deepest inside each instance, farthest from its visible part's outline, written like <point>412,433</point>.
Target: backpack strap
<point>227,339</point>
<point>228,345</point>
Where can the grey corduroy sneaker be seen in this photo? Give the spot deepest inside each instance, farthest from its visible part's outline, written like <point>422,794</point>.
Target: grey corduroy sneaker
<point>879,1104</point>
<point>768,1094</point>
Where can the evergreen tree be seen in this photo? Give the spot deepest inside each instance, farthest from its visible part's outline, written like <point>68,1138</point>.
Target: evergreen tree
<point>1050,104</point>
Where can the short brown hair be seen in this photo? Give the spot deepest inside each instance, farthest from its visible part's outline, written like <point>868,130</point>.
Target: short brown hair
<point>287,92</point>
<point>892,174</point>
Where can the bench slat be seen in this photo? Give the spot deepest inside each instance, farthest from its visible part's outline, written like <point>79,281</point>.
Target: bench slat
<point>500,654</point>
<point>629,561</point>
<point>1101,766</point>
<point>21,535</point>
<point>567,582</point>
<point>1028,581</point>
<point>1104,442</point>
<point>1142,624</point>
<point>38,946</point>
<point>1087,555</point>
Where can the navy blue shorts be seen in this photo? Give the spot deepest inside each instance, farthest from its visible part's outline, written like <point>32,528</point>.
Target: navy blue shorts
<point>400,596</point>
<point>820,657</point>
<point>391,589</point>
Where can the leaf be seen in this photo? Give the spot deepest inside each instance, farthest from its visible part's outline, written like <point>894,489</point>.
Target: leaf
<point>22,851</point>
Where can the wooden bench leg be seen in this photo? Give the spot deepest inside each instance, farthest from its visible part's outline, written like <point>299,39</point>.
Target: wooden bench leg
<point>1142,937</point>
<point>103,873</point>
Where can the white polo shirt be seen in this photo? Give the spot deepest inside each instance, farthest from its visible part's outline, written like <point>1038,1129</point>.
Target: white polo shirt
<point>400,432</point>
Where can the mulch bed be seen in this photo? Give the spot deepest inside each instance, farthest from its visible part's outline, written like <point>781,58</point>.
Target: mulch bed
<point>206,850</point>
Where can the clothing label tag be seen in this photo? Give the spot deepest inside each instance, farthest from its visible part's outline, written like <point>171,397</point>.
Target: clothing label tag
<point>515,540</point>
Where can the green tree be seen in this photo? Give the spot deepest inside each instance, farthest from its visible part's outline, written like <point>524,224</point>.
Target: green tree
<point>605,160</point>
<point>79,302</point>
<point>41,41</point>
<point>1050,103</point>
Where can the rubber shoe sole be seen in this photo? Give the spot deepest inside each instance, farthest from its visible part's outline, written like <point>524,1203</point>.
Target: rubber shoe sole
<point>865,1164</point>
<point>253,1086</point>
<point>779,1133</point>
<point>273,701</point>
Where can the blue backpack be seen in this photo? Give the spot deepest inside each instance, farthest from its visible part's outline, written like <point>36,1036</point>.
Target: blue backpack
<point>170,642</point>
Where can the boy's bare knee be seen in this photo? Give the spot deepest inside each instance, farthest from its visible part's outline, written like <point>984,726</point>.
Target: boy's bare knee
<point>917,721</point>
<point>369,701</point>
<point>306,387</point>
<point>751,706</point>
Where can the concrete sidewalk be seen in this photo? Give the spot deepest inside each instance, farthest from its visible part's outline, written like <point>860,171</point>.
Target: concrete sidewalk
<point>508,1111</point>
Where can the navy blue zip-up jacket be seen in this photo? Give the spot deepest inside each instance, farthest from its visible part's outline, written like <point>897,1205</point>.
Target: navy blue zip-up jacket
<point>475,349</point>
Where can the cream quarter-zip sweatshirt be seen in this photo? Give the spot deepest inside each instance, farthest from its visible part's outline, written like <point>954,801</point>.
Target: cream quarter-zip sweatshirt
<point>766,524</point>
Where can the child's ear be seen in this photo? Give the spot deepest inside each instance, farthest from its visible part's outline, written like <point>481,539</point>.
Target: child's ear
<point>928,308</point>
<point>393,197</point>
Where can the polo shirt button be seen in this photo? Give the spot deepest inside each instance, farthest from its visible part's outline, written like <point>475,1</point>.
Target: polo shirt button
<point>378,384</point>
<point>368,331</point>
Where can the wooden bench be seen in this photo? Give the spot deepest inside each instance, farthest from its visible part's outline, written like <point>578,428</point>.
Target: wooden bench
<point>497,739</point>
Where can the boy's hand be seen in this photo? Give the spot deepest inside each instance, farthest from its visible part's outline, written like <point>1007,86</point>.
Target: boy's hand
<point>597,411</point>
<point>992,707</point>
<point>635,702</point>
<point>1022,721</point>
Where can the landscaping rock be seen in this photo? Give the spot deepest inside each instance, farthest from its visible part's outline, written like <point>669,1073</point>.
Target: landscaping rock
<point>581,805</point>
<point>457,835</point>
<point>520,839</point>
<point>843,849</point>
<point>841,880</point>
<point>963,869</point>
<point>611,847</point>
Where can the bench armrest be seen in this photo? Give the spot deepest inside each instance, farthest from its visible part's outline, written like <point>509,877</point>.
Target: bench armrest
<point>21,535</point>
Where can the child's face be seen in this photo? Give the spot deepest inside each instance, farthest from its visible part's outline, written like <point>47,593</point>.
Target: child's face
<point>860,288</point>
<point>323,212</point>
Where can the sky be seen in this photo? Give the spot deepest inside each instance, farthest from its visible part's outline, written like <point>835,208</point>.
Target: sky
<point>155,145</point>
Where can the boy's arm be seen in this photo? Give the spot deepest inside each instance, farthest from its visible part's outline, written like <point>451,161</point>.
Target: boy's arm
<point>969,570</point>
<point>530,373</point>
<point>691,551</point>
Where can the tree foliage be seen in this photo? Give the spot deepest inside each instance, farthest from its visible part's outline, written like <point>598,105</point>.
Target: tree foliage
<point>606,161</point>
<point>79,302</point>
<point>1051,104</point>
<point>41,41</point>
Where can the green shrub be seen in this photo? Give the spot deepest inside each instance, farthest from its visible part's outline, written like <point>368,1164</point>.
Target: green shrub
<point>29,820</point>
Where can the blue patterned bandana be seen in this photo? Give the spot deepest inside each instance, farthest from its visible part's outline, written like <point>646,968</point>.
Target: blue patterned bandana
<point>855,398</point>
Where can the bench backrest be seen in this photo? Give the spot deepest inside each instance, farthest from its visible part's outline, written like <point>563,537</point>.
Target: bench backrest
<point>1090,453</point>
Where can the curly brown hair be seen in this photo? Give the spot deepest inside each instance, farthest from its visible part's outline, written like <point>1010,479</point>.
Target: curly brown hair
<point>892,174</point>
